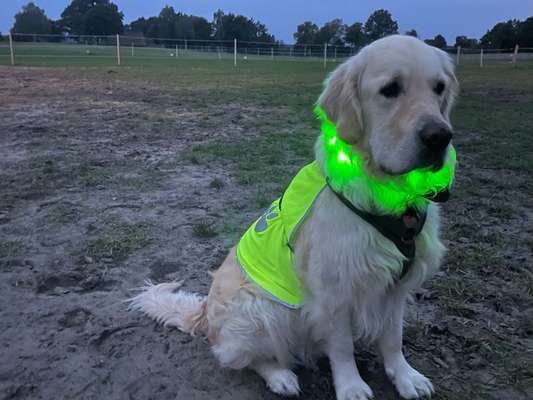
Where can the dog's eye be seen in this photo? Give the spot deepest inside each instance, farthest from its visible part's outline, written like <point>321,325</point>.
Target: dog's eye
<point>391,90</point>
<point>439,88</point>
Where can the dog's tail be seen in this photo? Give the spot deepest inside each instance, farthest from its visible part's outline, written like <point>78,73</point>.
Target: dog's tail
<point>186,311</point>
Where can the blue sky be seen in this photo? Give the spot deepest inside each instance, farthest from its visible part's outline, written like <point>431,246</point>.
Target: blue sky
<point>429,17</point>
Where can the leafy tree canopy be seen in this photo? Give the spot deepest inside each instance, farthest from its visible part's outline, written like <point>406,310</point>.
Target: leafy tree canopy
<point>503,35</point>
<point>332,33</point>
<point>355,35</point>
<point>380,24</point>
<point>32,19</point>
<point>231,26</point>
<point>466,43</point>
<point>91,17</point>
<point>306,33</point>
<point>438,41</point>
<point>102,20</point>
<point>170,24</point>
<point>525,33</point>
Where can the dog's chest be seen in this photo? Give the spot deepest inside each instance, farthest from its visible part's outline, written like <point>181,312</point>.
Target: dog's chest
<point>347,262</point>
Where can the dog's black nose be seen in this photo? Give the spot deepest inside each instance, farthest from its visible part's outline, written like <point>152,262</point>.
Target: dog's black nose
<point>435,136</point>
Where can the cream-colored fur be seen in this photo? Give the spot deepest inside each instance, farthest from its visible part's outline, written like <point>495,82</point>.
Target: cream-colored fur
<point>346,267</point>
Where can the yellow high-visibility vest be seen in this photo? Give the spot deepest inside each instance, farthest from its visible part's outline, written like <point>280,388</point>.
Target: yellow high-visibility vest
<point>265,251</point>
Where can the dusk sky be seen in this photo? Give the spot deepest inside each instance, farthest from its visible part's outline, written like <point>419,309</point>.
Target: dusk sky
<point>448,17</point>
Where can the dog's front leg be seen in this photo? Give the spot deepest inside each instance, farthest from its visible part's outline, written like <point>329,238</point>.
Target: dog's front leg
<point>410,383</point>
<point>339,348</point>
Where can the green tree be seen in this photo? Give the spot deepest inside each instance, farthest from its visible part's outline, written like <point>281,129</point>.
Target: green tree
<point>102,19</point>
<point>172,25</point>
<point>525,33</point>
<point>332,32</point>
<point>306,33</point>
<point>262,34</point>
<point>380,24</point>
<point>201,27</point>
<point>438,41</point>
<point>32,19</point>
<point>167,22</point>
<point>466,43</point>
<point>503,35</point>
<point>412,32</point>
<point>138,26</point>
<point>231,26</point>
<point>74,17</point>
<point>355,35</point>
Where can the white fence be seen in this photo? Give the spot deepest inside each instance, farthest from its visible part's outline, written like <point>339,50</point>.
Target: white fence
<point>33,49</point>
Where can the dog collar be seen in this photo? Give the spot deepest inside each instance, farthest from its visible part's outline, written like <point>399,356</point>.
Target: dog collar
<point>342,165</point>
<point>401,230</point>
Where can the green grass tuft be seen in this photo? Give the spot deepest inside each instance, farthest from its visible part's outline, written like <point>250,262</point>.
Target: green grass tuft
<point>120,239</point>
<point>12,248</point>
<point>204,230</point>
<point>217,184</point>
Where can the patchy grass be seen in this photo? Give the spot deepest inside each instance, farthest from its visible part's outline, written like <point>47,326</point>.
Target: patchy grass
<point>135,175</point>
<point>119,239</point>
<point>267,161</point>
<point>63,213</point>
<point>217,184</point>
<point>12,248</point>
<point>204,230</point>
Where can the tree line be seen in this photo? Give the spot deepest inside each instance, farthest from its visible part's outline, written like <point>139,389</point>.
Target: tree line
<point>102,17</point>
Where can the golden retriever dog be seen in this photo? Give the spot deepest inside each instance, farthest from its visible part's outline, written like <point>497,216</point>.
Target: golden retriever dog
<point>390,103</point>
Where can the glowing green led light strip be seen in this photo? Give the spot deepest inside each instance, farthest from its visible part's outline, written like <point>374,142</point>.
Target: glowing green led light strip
<point>343,166</point>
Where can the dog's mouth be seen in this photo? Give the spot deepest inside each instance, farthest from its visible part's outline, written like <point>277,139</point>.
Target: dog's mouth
<point>425,162</point>
<point>432,161</point>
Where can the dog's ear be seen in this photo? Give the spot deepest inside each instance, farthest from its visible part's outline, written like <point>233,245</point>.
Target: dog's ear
<point>453,90</point>
<point>340,100</point>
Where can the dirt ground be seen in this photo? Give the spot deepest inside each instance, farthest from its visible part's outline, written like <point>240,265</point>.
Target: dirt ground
<point>98,194</point>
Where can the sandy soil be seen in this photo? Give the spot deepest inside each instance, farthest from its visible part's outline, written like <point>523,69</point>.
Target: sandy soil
<point>95,197</point>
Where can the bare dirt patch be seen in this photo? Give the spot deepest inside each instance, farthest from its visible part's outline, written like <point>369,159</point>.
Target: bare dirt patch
<point>95,198</point>
<point>99,192</point>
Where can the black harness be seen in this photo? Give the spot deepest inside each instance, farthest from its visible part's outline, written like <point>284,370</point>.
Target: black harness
<point>401,230</point>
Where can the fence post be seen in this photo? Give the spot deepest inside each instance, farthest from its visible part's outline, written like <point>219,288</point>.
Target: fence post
<point>481,59</point>
<point>118,49</point>
<point>11,49</point>
<point>132,48</point>
<point>458,55</point>
<point>335,56</point>
<point>176,51</point>
<point>515,55</point>
<point>185,44</point>
<point>234,52</point>
<point>325,54</point>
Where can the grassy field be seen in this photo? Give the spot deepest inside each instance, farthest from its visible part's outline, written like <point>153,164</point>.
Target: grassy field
<point>112,175</point>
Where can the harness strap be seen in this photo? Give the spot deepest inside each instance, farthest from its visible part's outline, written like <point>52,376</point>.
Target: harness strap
<point>402,230</point>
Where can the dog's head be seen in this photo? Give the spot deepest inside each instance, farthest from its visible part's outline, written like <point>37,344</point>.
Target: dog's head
<point>392,103</point>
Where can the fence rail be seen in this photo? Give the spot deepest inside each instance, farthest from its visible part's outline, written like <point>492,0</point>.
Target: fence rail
<point>130,50</point>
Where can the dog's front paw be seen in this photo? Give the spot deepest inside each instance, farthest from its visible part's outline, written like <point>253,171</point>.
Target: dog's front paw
<point>357,391</point>
<point>410,383</point>
<point>284,382</point>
